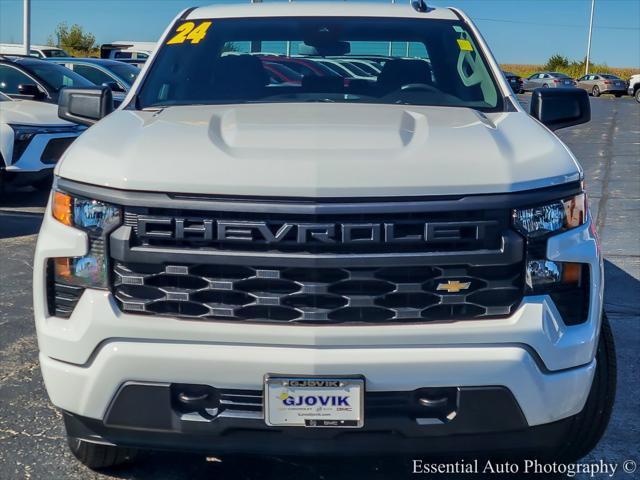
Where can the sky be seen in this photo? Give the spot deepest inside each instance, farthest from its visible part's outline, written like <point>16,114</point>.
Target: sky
<point>518,31</point>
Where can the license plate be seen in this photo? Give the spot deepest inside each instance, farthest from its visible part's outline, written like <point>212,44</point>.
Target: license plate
<point>317,402</point>
<point>567,82</point>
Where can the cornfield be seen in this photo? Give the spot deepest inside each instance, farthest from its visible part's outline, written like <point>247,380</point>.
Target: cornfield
<point>574,71</point>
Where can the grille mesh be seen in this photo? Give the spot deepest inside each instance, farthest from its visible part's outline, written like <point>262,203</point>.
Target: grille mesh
<point>319,295</point>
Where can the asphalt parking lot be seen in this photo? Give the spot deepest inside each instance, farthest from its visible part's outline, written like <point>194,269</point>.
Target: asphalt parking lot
<point>32,440</point>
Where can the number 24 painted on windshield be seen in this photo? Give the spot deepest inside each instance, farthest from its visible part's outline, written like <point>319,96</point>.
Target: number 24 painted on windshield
<point>189,32</point>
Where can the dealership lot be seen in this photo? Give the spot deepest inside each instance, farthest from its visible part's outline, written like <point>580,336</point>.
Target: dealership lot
<point>31,430</point>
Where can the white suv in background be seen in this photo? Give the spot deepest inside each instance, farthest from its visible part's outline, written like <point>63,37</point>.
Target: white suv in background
<point>634,87</point>
<point>38,51</point>
<point>404,264</point>
<point>32,140</point>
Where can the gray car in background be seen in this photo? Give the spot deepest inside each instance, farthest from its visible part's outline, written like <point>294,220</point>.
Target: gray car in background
<point>598,83</point>
<point>548,80</point>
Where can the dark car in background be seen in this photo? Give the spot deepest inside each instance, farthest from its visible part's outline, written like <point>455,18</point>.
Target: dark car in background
<point>515,82</point>
<point>29,78</point>
<point>117,75</point>
<point>599,83</point>
<point>280,74</point>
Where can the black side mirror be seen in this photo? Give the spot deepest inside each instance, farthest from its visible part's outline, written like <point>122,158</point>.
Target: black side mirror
<point>560,107</point>
<point>113,86</point>
<point>30,90</point>
<point>85,105</point>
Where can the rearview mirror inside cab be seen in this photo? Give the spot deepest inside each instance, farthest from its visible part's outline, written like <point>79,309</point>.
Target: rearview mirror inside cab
<point>560,107</point>
<point>85,105</point>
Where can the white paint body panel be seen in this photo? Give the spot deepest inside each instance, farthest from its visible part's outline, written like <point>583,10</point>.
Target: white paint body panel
<point>319,150</point>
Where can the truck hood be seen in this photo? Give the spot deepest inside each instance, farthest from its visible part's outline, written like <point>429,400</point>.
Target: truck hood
<point>319,150</point>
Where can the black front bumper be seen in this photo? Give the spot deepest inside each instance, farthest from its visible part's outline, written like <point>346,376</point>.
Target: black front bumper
<point>486,420</point>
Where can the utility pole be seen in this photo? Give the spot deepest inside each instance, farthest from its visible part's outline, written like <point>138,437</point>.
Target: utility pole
<point>390,43</point>
<point>256,45</point>
<point>26,27</point>
<point>593,7</point>
<point>289,43</point>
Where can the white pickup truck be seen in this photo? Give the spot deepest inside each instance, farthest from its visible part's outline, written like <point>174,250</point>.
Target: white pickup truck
<point>402,264</point>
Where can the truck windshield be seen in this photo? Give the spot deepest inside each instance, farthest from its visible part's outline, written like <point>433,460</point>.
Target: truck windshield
<point>341,59</point>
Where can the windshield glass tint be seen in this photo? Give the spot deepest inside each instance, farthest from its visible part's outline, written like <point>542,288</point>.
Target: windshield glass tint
<point>128,73</point>
<point>359,60</point>
<point>57,76</point>
<point>55,53</point>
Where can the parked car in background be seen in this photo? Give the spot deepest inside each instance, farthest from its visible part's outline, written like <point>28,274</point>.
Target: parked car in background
<point>634,87</point>
<point>280,74</point>
<point>117,75</point>
<point>32,140</point>
<point>34,79</point>
<point>370,67</point>
<point>124,50</point>
<point>303,66</point>
<point>548,80</point>
<point>342,69</point>
<point>598,83</point>
<point>38,51</point>
<point>515,82</point>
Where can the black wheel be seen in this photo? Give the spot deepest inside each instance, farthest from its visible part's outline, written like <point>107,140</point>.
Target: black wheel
<point>545,86</point>
<point>589,425</point>
<point>637,95</point>
<point>595,91</point>
<point>97,456</point>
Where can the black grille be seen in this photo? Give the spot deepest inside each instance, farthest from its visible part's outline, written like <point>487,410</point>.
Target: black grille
<point>54,150</point>
<point>319,295</point>
<point>368,233</point>
<point>376,404</point>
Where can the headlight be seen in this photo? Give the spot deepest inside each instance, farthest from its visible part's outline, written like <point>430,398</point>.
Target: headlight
<point>98,219</point>
<point>91,215</point>
<point>23,134</point>
<point>551,218</point>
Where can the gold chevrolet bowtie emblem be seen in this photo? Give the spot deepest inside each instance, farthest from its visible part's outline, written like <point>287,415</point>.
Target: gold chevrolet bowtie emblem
<point>454,286</point>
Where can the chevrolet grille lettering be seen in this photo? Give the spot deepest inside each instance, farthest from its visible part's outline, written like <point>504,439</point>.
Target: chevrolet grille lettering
<point>273,232</point>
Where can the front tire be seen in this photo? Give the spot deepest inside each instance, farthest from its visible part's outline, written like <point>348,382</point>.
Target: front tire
<point>97,456</point>
<point>637,95</point>
<point>589,425</point>
<point>595,91</point>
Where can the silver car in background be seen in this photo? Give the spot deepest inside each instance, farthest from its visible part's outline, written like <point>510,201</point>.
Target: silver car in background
<point>548,80</point>
<point>598,83</point>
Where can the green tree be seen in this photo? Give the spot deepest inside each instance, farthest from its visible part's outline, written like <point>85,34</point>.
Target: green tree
<point>74,39</point>
<point>556,62</point>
